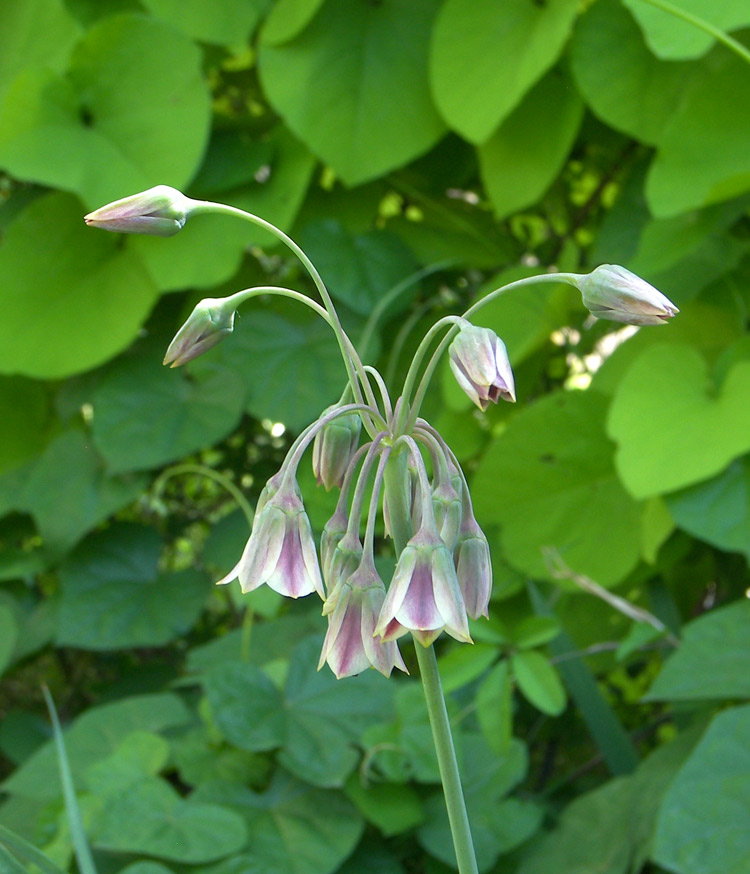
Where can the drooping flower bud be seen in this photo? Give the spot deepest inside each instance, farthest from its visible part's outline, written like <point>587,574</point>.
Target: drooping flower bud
<point>281,549</point>
<point>614,293</point>
<point>446,504</point>
<point>161,211</point>
<point>334,447</point>
<point>208,324</point>
<point>424,596</point>
<point>473,568</point>
<point>351,646</point>
<point>479,361</point>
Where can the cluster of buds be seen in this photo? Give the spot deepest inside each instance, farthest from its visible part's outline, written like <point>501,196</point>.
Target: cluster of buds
<point>443,574</point>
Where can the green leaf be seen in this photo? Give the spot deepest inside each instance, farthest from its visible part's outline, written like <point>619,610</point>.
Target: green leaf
<point>93,736</point>
<point>287,18</point>
<point>701,157</point>
<point>114,597</point>
<point>523,157</point>
<point>495,708</point>
<point>131,113</point>
<point>497,824</point>
<point>325,716</point>
<point>702,427</point>
<point>485,57</point>
<point>58,319</point>
<point>24,412</point>
<point>230,23</point>
<point>462,664</point>
<point>27,851</point>
<point>702,822</point>
<point>349,106</point>
<point>619,78</point>
<point>610,828</point>
<point>141,754</point>
<point>538,681</point>
<point>358,269</point>
<point>535,631</point>
<point>151,818</point>
<point>549,481</point>
<point>672,38</point>
<point>711,663</point>
<point>271,351</point>
<point>717,511</point>
<point>146,414</point>
<point>69,466</point>
<point>8,636</point>
<point>393,809</point>
<point>246,706</point>
<point>37,33</point>
<point>293,828</point>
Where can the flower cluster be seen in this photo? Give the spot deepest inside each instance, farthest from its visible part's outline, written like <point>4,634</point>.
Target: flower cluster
<point>376,453</point>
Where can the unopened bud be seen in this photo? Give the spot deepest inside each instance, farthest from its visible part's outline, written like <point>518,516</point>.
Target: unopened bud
<point>161,211</point>
<point>479,361</point>
<point>333,448</point>
<point>210,321</point>
<point>614,293</point>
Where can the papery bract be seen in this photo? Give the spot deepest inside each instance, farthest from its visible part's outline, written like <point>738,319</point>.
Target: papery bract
<point>615,293</point>
<point>160,211</point>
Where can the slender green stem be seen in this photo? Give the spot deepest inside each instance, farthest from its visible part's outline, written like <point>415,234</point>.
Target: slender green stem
<point>352,361</point>
<point>239,297</point>
<point>395,471</point>
<point>570,278</point>
<point>210,473</point>
<point>706,26</point>
<point>446,756</point>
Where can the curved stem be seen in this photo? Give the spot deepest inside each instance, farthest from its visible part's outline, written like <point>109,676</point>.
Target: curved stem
<point>349,353</point>
<point>239,297</point>
<point>209,473</point>
<point>570,278</point>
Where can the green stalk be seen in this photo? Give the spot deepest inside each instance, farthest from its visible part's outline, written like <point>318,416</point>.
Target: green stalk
<point>352,361</point>
<point>458,818</point>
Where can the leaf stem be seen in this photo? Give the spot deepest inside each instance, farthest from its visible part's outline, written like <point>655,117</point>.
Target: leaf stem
<point>716,32</point>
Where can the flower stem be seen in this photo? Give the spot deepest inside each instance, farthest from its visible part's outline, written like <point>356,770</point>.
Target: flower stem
<point>400,524</point>
<point>446,756</point>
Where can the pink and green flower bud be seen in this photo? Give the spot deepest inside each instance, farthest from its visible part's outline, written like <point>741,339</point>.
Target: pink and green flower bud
<point>333,532</point>
<point>344,559</point>
<point>474,568</point>
<point>614,293</point>
<point>161,211</point>
<point>208,324</point>
<point>479,361</point>
<point>334,447</point>
<point>350,645</point>
<point>424,596</point>
<point>280,551</point>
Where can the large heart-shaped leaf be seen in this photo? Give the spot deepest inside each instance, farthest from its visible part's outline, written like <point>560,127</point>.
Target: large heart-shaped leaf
<point>114,597</point>
<point>702,427</point>
<point>72,298</point>
<point>486,56</point>
<point>549,481</point>
<point>350,106</point>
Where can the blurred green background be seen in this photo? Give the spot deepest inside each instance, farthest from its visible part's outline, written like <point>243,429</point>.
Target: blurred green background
<point>449,145</point>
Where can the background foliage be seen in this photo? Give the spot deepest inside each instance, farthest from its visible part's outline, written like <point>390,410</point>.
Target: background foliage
<point>449,146</point>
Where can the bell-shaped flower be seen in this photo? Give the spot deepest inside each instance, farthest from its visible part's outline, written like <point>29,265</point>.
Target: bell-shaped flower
<point>281,549</point>
<point>473,567</point>
<point>350,645</point>
<point>614,293</point>
<point>334,447</point>
<point>161,211</point>
<point>210,321</point>
<point>424,596</point>
<point>479,361</point>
